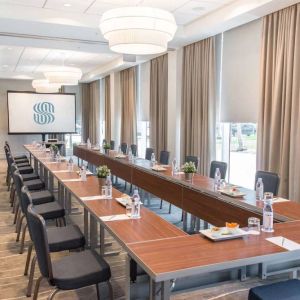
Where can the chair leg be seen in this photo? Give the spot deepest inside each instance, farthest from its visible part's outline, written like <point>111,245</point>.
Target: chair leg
<point>51,296</point>
<point>19,227</point>
<point>23,239</point>
<point>110,289</point>
<point>29,252</point>
<point>170,208</point>
<point>37,287</point>
<point>98,291</point>
<point>9,182</point>
<point>161,203</point>
<point>11,193</point>
<point>13,200</point>
<point>31,276</point>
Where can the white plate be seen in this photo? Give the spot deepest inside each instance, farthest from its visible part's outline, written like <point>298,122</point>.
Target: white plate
<point>123,201</point>
<point>233,194</point>
<point>158,169</point>
<point>221,237</point>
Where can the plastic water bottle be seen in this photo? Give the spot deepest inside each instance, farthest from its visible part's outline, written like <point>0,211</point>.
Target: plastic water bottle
<point>108,187</point>
<point>153,159</point>
<point>136,205</point>
<point>88,143</point>
<point>259,189</point>
<point>70,165</point>
<point>217,179</point>
<point>268,213</point>
<point>174,166</point>
<point>83,173</point>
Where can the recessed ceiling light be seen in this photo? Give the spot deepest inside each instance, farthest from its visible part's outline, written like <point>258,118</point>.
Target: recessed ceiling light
<point>199,9</point>
<point>67,4</point>
<point>9,48</point>
<point>4,66</point>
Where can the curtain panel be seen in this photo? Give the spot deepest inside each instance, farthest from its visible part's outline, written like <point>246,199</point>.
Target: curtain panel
<point>159,103</point>
<point>128,103</point>
<point>91,111</point>
<point>278,147</point>
<point>199,102</point>
<point>107,109</point>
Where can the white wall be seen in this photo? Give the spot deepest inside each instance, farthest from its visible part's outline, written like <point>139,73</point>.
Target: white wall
<point>16,141</point>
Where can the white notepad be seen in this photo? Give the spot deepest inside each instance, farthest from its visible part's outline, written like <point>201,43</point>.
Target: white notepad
<point>98,197</point>
<point>279,199</point>
<point>70,180</point>
<point>284,243</point>
<point>61,171</point>
<point>114,218</point>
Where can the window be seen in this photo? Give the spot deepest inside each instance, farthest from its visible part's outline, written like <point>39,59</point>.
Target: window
<point>143,138</point>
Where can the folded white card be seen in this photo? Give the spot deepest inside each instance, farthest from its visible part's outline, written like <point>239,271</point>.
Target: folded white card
<point>279,199</point>
<point>61,171</point>
<point>114,218</point>
<point>98,197</point>
<point>284,243</point>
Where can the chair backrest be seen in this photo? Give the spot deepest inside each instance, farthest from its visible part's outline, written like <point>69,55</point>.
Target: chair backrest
<point>218,164</point>
<point>270,180</point>
<point>164,157</point>
<point>133,148</point>
<point>104,141</point>
<point>25,201</point>
<point>112,145</point>
<point>124,148</point>
<point>40,240</point>
<point>191,158</point>
<point>18,181</point>
<point>149,152</point>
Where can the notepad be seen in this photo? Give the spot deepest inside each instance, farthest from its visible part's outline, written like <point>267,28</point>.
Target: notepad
<point>61,171</point>
<point>279,199</point>
<point>284,243</point>
<point>114,218</point>
<point>70,180</point>
<point>98,197</point>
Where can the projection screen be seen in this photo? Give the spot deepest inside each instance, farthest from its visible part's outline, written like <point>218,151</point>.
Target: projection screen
<point>30,112</point>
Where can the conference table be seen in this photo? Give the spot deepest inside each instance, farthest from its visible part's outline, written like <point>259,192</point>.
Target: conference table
<point>164,251</point>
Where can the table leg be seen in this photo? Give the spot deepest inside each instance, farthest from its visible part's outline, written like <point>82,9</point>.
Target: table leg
<point>184,220</point>
<point>127,277</point>
<point>46,178</point>
<point>152,290</point>
<point>35,165</point>
<point>86,225</point>
<point>51,182</point>
<point>102,239</point>
<point>93,232</point>
<point>165,290</point>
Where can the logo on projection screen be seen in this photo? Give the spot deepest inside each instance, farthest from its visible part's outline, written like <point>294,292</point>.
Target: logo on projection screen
<point>43,113</point>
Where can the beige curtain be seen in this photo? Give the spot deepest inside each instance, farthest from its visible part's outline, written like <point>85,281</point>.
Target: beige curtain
<point>128,100</point>
<point>159,103</point>
<point>107,109</point>
<point>199,102</point>
<point>279,126</point>
<point>91,111</point>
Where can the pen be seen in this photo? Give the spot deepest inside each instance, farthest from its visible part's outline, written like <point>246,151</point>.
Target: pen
<point>282,241</point>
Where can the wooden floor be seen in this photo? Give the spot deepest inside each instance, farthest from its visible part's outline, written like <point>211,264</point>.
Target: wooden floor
<point>13,283</point>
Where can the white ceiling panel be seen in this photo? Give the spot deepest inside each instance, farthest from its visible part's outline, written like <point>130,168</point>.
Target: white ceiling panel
<point>169,5</point>
<point>198,8</point>
<point>35,3</point>
<point>182,19</point>
<point>79,6</point>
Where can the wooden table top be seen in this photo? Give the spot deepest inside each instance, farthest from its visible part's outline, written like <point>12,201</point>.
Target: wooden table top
<point>165,258</point>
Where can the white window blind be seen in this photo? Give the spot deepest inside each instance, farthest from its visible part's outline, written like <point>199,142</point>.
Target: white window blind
<point>241,73</point>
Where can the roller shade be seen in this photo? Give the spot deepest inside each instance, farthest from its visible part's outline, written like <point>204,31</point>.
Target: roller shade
<point>240,73</point>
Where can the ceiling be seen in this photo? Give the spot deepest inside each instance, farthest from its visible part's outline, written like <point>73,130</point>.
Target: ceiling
<point>36,35</point>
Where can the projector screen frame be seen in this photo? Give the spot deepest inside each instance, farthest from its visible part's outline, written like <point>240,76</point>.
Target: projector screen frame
<point>42,133</point>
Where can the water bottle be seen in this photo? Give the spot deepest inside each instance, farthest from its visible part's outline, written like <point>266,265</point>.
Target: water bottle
<point>174,166</point>
<point>259,189</point>
<point>83,173</point>
<point>119,151</point>
<point>88,143</point>
<point>58,156</point>
<point>129,154</point>
<point>108,187</point>
<point>217,179</point>
<point>70,165</point>
<point>268,213</point>
<point>153,159</point>
<point>136,205</point>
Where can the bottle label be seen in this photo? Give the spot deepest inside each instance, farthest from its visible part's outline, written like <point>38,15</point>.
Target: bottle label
<point>268,220</point>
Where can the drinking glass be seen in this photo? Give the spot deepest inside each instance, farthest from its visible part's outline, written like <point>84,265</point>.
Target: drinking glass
<point>254,225</point>
<point>128,208</point>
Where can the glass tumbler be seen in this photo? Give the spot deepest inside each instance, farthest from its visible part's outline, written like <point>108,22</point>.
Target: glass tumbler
<point>254,225</point>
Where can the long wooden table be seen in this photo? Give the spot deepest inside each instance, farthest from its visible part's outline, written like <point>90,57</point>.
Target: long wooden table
<point>164,251</point>
<point>197,197</point>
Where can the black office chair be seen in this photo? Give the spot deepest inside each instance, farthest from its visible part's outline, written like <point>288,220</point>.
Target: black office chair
<point>287,290</point>
<point>124,148</point>
<point>149,152</point>
<point>164,157</point>
<point>191,158</point>
<point>59,238</point>
<point>270,180</point>
<point>70,272</point>
<point>112,145</point>
<point>49,210</point>
<point>218,164</point>
<point>133,148</point>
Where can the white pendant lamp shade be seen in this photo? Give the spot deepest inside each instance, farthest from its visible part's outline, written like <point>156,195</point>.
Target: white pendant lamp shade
<point>138,30</point>
<point>64,75</point>
<point>43,86</point>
